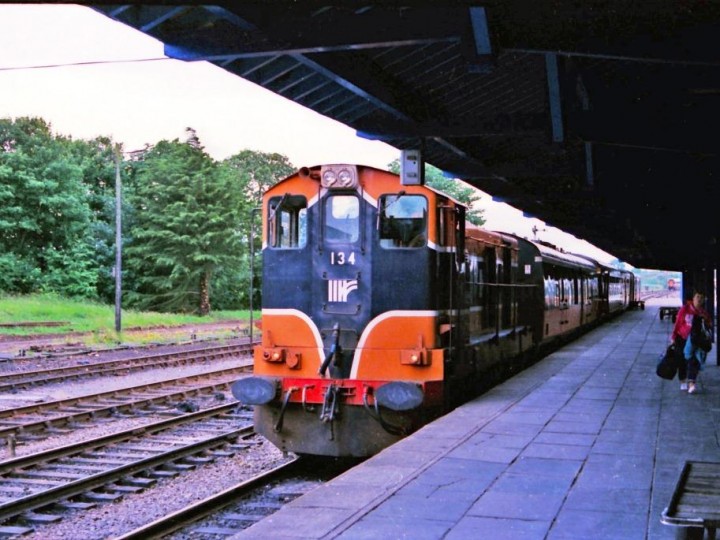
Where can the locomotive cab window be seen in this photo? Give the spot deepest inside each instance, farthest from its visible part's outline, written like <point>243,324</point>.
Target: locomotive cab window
<point>287,222</point>
<point>342,219</point>
<point>403,221</point>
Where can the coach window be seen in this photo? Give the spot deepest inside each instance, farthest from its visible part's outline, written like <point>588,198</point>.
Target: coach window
<point>342,219</point>
<point>403,221</point>
<point>287,222</point>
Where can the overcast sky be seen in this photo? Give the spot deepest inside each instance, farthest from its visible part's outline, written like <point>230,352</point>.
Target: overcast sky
<point>144,102</point>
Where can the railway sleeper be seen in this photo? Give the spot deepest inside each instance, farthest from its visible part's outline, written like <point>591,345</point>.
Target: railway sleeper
<point>94,496</point>
<point>221,531</point>
<point>31,481</point>
<point>11,531</point>
<point>117,488</point>
<point>25,436</point>
<point>243,517</point>
<point>83,467</point>
<point>162,474</point>
<point>221,453</point>
<point>138,481</point>
<point>169,413</point>
<point>53,474</point>
<point>57,431</point>
<point>149,448</point>
<point>179,467</point>
<point>199,460</point>
<point>33,517</point>
<point>78,408</point>
<point>240,446</point>
<point>173,440</point>
<point>13,489</point>
<point>158,408</point>
<point>123,455</point>
<point>73,505</point>
<point>98,459</point>
<point>263,505</point>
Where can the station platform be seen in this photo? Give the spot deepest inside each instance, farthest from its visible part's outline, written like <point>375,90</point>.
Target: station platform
<point>587,443</point>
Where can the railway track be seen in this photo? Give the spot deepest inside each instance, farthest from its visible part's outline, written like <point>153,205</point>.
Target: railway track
<point>18,380</point>
<point>230,511</point>
<point>222,507</point>
<point>34,488</point>
<point>32,422</point>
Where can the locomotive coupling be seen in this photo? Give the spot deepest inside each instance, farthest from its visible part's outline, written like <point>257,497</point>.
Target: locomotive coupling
<point>255,390</point>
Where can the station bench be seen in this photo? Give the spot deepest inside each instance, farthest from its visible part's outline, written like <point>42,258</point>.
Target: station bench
<point>669,311</point>
<point>695,503</point>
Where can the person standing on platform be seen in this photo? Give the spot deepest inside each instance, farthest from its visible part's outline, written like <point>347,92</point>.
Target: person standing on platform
<point>688,369</point>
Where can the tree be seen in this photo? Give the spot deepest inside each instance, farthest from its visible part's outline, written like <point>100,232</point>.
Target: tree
<point>186,227</point>
<point>97,161</point>
<point>46,214</point>
<point>257,171</point>
<point>253,173</point>
<point>457,189</point>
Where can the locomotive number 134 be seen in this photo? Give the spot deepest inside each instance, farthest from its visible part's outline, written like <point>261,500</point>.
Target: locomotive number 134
<point>339,257</point>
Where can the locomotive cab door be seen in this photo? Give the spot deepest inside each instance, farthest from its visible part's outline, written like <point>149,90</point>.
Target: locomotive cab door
<point>341,278</point>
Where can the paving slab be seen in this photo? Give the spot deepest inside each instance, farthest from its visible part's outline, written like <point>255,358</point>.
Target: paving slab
<point>587,443</point>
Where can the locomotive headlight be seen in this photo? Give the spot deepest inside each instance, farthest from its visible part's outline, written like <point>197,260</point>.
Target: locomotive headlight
<point>340,176</point>
<point>329,178</point>
<point>345,178</point>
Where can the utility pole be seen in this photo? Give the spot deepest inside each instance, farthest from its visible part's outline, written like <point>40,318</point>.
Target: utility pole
<point>252,267</point>
<point>118,241</point>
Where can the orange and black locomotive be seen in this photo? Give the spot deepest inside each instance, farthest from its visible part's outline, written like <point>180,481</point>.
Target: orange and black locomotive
<point>382,309</point>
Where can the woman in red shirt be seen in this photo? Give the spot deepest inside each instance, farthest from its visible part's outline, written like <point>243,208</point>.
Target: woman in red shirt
<point>688,370</point>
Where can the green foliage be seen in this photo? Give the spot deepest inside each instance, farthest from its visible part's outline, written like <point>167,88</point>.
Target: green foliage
<point>71,272</point>
<point>46,210</point>
<point>253,173</point>
<point>657,280</point>
<point>18,274</point>
<point>186,226</point>
<point>186,219</point>
<point>457,189</point>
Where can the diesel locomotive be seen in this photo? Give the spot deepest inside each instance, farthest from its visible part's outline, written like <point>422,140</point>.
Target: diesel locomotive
<point>382,308</point>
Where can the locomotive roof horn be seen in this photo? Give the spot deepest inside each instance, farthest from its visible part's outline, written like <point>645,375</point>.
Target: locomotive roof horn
<point>306,172</point>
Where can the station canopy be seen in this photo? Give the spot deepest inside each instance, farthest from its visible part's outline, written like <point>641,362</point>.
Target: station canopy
<point>596,117</point>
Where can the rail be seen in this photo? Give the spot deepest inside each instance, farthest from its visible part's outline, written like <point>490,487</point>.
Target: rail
<point>197,511</point>
<point>93,406</point>
<point>59,489</point>
<point>109,367</point>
